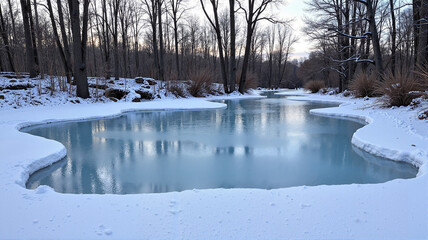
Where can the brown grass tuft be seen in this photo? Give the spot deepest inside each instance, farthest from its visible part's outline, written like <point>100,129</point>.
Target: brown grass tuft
<point>422,77</point>
<point>364,85</point>
<point>251,82</point>
<point>177,90</point>
<point>400,89</point>
<point>201,83</point>
<point>314,86</point>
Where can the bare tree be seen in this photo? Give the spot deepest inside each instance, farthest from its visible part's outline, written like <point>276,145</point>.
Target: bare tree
<point>114,14</point>
<point>39,39</point>
<point>136,16</point>
<point>215,24</point>
<point>151,11</point>
<point>125,13</point>
<point>393,36</point>
<point>5,38</point>
<point>232,62</point>
<point>66,62</point>
<point>176,13</point>
<point>371,11</point>
<point>161,45</point>
<point>285,42</point>
<point>31,63</point>
<point>253,14</point>
<point>33,37</point>
<point>79,46</point>
<point>104,35</point>
<point>12,18</point>
<point>65,41</point>
<point>270,33</point>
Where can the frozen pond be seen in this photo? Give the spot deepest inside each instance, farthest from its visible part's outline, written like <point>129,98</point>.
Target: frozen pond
<point>265,143</point>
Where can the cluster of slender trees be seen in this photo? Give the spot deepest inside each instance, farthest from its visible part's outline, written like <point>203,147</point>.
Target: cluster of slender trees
<point>162,39</point>
<point>383,36</point>
<point>235,40</point>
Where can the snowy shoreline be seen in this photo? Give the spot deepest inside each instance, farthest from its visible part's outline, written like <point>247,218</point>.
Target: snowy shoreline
<point>396,209</point>
<point>366,141</point>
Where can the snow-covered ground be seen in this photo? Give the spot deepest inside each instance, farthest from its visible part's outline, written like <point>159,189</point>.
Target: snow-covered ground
<point>397,209</point>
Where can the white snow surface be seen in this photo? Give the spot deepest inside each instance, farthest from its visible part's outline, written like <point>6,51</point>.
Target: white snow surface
<point>396,209</point>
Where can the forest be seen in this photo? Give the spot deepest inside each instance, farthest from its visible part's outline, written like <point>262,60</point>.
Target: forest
<point>357,44</point>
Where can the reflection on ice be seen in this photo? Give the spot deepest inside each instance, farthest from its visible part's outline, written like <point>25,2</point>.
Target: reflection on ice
<point>268,143</point>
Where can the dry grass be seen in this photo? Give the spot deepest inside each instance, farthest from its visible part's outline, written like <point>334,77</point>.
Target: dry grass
<point>364,85</point>
<point>400,89</point>
<point>177,90</point>
<point>422,77</point>
<point>201,83</point>
<point>314,86</point>
<point>251,82</point>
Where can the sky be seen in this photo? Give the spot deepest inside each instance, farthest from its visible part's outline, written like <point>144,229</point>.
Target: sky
<point>290,9</point>
<point>295,9</point>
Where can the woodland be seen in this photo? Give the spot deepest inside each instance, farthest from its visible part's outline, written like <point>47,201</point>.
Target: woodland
<point>357,44</point>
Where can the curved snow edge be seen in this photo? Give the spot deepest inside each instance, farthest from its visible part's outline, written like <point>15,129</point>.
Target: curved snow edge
<point>35,165</point>
<point>38,164</point>
<point>417,159</point>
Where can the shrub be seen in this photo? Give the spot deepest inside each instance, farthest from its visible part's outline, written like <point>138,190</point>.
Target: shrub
<point>400,90</point>
<point>364,85</point>
<point>201,83</point>
<point>314,85</point>
<point>251,81</point>
<point>177,90</point>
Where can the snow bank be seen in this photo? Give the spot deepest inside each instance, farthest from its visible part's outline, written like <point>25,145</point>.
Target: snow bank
<point>397,209</point>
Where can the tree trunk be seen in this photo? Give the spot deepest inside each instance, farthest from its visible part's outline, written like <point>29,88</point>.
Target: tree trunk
<point>31,64</point>
<point>421,50</point>
<point>39,40</point>
<point>375,39</point>
<point>246,53</point>
<point>216,26</point>
<point>115,39</point>
<point>416,29</point>
<point>106,41</point>
<point>57,40</point>
<point>393,36</point>
<point>96,74</point>
<point>353,50</point>
<point>346,46</point>
<point>6,40</point>
<point>12,17</point>
<point>232,68</point>
<point>33,37</point>
<point>79,46</point>
<point>124,26</point>
<point>137,58</point>
<point>161,46</point>
<point>67,52</point>
<point>153,22</point>
<point>177,62</point>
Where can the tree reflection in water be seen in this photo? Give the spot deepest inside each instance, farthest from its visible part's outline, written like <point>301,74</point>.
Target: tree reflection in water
<point>268,143</point>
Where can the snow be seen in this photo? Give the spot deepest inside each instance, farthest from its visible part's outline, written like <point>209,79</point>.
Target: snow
<point>396,209</point>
